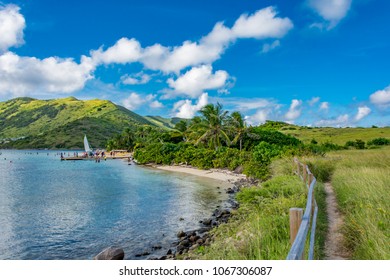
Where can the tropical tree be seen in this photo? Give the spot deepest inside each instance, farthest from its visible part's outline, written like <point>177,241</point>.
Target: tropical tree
<point>211,127</point>
<point>238,128</point>
<point>181,130</point>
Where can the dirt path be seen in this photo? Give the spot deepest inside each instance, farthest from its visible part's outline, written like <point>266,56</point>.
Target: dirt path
<point>334,249</point>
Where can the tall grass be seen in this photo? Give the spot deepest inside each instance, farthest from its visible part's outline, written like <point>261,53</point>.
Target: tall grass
<point>322,222</point>
<point>260,227</point>
<point>361,182</point>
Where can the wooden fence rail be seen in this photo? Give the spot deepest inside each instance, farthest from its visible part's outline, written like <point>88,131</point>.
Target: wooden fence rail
<point>303,223</point>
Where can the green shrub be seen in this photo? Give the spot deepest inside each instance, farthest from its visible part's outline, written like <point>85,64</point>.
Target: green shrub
<point>359,144</point>
<point>225,156</point>
<point>255,169</point>
<point>264,152</point>
<point>322,169</point>
<point>203,158</point>
<point>329,146</point>
<point>379,142</point>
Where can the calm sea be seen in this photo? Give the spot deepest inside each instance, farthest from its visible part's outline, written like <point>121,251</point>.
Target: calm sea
<point>52,209</point>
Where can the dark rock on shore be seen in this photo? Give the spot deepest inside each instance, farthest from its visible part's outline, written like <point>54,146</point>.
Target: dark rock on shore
<point>111,253</point>
<point>192,240</point>
<point>146,253</point>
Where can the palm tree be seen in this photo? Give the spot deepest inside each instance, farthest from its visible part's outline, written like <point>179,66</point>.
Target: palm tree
<point>193,129</point>
<point>211,126</point>
<point>181,130</point>
<point>128,138</point>
<point>238,127</point>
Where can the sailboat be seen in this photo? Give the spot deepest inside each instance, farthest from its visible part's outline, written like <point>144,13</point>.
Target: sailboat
<point>87,148</point>
<point>88,152</point>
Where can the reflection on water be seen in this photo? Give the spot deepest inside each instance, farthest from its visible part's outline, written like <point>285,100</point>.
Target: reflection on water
<point>72,210</point>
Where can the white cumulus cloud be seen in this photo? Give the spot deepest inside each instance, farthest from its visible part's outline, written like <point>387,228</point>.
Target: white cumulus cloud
<point>261,25</point>
<point>28,75</point>
<point>258,118</point>
<point>362,113</point>
<point>294,111</point>
<point>247,104</point>
<point>136,100</point>
<point>135,79</point>
<point>324,106</point>
<point>314,100</point>
<point>12,24</point>
<point>156,104</point>
<point>133,101</point>
<point>269,47</point>
<point>124,51</point>
<point>332,11</point>
<point>196,80</point>
<point>340,121</point>
<point>381,97</point>
<point>186,109</point>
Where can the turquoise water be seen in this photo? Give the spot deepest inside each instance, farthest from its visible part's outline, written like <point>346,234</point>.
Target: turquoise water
<point>52,209</point>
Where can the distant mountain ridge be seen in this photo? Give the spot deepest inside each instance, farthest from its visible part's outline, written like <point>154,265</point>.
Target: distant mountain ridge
<point>61,123</point>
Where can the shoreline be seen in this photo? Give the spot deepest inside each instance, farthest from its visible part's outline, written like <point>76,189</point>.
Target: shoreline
<point>200,236</point>
<point>217,174</point>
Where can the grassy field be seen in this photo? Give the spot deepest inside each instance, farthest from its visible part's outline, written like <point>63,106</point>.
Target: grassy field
<point>362,185</point>
<point>335,135</point>
<point>259,229</point>
<point>361,180</point>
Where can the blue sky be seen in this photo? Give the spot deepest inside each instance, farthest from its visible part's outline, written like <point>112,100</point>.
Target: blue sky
<point>308,62</point>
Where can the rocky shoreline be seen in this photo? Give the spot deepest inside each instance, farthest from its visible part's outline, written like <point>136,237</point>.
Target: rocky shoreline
<point>193,239</point>
<point>188,241</point>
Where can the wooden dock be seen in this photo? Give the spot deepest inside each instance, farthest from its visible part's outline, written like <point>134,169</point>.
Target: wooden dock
<point>127,156</point>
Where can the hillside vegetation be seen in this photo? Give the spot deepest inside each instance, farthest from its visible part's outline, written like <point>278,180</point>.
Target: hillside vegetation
<point>163,122</point>
<point>338,136</point>
<point>62,123</point>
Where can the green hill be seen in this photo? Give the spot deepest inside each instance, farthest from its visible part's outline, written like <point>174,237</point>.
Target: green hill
<point>330,134</point>
<point>163,122</point>
<point>62,123</point>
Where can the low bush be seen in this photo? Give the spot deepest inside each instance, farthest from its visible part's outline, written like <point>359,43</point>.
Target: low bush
<point>322,169</point>
<point>379,142</point>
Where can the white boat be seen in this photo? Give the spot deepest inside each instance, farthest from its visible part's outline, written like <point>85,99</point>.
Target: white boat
<point>87,148</point>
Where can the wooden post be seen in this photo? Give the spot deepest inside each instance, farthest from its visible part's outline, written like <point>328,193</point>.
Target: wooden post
<point>295,222</point>
<point>304,173</point>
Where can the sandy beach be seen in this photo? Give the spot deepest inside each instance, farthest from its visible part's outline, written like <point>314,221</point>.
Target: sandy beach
<point>222,175</point>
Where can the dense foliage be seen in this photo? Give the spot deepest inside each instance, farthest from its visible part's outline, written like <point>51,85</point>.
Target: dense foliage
<point>214,139</point>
